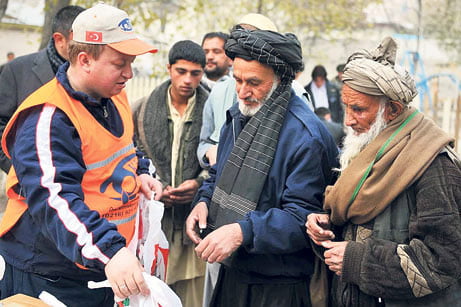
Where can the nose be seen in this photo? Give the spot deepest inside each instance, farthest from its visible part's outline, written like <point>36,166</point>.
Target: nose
<point>350,119</point>
<point>188,79</point>
<point>243,91</point>
<point>127,72</point>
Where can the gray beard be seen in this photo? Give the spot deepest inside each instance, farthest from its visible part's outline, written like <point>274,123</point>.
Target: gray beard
<point>249,110</point>
<point>354,143</point>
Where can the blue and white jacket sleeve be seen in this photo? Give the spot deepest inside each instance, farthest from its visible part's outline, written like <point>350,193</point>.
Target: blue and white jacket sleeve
<point>46,154</point>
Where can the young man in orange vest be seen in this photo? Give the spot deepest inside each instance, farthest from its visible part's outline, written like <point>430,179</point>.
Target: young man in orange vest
<point>76,176</point>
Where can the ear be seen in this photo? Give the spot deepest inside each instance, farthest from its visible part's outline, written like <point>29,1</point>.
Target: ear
<point>84,60</point>
<point>395,108</point>
<point>59,40</point>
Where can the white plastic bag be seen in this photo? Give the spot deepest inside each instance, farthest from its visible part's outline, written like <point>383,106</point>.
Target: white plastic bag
<point>153,245</point>
<point>160,295</point>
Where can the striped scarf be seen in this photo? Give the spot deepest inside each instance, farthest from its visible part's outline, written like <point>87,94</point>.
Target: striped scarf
<point>242,180</point>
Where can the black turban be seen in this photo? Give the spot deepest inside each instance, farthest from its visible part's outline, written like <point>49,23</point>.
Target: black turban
<point>281,52</point>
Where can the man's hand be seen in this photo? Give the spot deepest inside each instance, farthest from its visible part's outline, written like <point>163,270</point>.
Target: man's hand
<point>220,244</point>
<point>166,197</point>
<point>185,192</point>
<point>317,227</point>
<point>198,215</point>
<point>124,273</point>
<point>211,154</point>
<point>149,184</point>
<point>334,255</point>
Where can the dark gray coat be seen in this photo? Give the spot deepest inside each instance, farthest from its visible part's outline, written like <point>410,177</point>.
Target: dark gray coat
<point>18,79</point>
<point>154,130</point>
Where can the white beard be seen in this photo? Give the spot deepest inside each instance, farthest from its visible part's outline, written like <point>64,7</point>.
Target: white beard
<point>354,143</point>
<point>251,110</point>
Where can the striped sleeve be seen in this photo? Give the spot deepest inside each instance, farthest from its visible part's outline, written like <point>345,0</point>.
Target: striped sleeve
<point>48,161</point>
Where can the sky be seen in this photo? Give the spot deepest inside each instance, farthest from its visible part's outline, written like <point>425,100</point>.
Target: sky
<point>27,11</point>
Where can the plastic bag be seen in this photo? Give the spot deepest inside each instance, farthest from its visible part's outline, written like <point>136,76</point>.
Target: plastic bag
<point>160,295</point>
<point>153,245</point>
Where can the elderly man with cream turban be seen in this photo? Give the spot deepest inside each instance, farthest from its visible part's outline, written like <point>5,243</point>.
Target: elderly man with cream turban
<point>397,201</point>
<point>274,161</point>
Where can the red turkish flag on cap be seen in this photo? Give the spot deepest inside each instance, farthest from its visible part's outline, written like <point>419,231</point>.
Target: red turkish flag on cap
<point>95,37</point>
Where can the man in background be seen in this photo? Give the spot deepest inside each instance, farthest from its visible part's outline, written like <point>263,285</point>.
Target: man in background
<point>336,130</point>
<point>218,65</point>
<point>168,126</point>
<point>338,79</point>
<point>25,74</point>
<point>324,94</point>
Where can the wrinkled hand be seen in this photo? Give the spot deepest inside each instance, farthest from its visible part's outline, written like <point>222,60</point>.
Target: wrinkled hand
<point>220,244</point>
<point>211,154</point>
<point>334,255</point>
<point>198,215</point>
<point>317,227</point>
<point>166,197</point>
<point>185,192</point>
<point>149,184</point>
<point>124,273</point>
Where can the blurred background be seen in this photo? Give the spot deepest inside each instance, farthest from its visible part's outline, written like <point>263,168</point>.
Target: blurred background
<point>428,33</point>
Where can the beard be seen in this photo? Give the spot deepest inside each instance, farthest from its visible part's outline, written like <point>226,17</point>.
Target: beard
<point>216,73</point>
<point>354,143</point>
<point>251,110</point>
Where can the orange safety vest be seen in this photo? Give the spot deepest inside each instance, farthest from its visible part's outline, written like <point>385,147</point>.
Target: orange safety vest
<point>110,185</point>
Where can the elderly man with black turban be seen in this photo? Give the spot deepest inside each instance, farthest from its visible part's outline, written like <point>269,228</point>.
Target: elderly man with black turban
<point>398,198</point>
<point>275,159</point>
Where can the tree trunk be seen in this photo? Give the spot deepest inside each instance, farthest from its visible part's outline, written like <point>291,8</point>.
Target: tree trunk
<point>3,6</point>
<point>51,8</point>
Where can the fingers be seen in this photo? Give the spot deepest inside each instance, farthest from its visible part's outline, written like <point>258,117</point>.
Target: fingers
<point>158,189</point>
<point>317,228</point>
<point>124,273</point>
<point>182,199</point>
<point>131,286</point>
<point>141,285</point>
<point>198,215</point>
<point>190,229</point>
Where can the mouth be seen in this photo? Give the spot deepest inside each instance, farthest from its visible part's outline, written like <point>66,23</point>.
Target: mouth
<point>186,89</point>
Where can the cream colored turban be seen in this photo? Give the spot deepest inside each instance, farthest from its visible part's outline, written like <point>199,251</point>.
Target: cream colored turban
<point>375,73</point>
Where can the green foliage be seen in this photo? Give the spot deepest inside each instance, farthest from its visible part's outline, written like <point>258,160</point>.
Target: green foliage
<point>442,21</point>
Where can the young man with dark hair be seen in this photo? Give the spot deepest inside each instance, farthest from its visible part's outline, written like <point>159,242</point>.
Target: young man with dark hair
<point>25,74</point>
<point>325,94</point>
<point>168,125</point>
<point>217,63</point>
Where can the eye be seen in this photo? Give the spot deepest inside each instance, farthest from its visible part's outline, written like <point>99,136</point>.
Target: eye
<point>357,109</point>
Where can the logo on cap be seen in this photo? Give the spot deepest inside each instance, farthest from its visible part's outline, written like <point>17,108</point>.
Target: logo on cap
<point>93,36</point>
<point>125,25</point>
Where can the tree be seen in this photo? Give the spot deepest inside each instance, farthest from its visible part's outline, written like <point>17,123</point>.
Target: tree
<point>51,8</point>
<point>3,6</point>
<point>442,20</point>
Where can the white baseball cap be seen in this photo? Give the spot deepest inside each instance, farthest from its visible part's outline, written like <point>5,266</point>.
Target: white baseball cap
<point>258,21</point>
<point>107,25</point>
